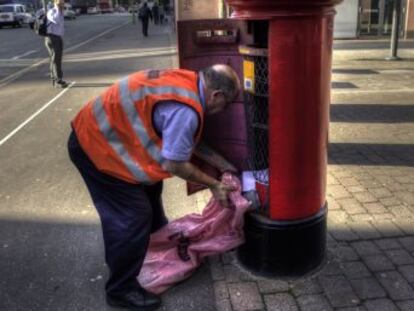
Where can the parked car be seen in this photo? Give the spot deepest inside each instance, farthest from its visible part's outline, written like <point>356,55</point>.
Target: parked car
<point>68,13</point>
<point>134,8</point>
<point>92,10</point>
<point>120,9</point>
<point>12,15</point>
<point>29,19</point>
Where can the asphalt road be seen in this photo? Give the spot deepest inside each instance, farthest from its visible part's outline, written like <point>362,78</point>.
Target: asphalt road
<point>51,249</point>
<point>21,47</point>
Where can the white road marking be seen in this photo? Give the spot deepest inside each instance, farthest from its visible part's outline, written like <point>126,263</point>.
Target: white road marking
<point>25,54</point>
<point>12,133</point>
<point>75,58</point>
<point>18,74</point>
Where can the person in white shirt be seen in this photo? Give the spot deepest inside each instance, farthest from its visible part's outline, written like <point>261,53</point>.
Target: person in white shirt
<point>54,42</point>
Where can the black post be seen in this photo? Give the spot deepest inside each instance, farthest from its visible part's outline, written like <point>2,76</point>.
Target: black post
<point>396,16</point>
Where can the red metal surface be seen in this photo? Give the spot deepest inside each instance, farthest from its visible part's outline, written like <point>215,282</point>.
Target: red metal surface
<point>299,79</point>
<point>266,9</point>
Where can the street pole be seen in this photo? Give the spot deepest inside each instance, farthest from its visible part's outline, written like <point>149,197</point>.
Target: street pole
<point>396,16</point>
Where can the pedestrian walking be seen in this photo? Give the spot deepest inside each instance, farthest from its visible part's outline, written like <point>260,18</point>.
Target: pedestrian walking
<point>125,142</point>
<point>54,42</point>
<point>162,14</point>
<point>144,15</point>
<point>155,13</point>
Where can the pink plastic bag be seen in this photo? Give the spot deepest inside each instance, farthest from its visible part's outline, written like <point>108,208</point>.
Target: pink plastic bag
<point>177,249</point>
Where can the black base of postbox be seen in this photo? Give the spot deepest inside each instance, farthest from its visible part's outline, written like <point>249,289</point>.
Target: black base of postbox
<point>283,248</point>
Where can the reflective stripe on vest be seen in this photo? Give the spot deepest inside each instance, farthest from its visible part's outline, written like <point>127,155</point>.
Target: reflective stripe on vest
<point>131,112</point>
<point>128,100</point>
<point>113,140</point>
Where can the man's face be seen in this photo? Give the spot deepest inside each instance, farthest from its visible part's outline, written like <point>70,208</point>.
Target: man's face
<point>216,102</point>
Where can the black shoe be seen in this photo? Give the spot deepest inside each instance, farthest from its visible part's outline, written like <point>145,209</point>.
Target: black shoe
<point>137,300</point>
<point>60,83</point>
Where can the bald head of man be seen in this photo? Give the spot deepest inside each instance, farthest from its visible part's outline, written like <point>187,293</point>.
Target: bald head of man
<point>222,85</point>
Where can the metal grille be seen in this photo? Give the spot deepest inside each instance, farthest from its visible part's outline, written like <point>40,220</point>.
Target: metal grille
<point>257,115</point>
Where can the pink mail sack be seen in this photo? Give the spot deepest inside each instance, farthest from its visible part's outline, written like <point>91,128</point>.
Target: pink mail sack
<point>176,250</point>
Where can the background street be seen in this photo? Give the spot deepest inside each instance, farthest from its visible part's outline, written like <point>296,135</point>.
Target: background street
<point>51,250</point>
<point>22,47</point>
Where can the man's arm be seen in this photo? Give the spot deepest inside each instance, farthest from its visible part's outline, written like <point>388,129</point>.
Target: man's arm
<point>207,154</point>
<point>191,173</point>
<point>178,125</point>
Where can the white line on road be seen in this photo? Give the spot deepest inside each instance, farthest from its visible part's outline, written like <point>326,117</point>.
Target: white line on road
<point>35,114</point>
<point>18,74</point>
<point>25,54</point>
<point>74,58</point>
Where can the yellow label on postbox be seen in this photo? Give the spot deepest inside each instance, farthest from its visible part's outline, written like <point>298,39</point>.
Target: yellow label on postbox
<point>248,76</point>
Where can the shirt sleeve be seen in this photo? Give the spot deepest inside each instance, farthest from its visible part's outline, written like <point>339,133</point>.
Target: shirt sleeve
<point>178,124</point>
<point>52,15</point>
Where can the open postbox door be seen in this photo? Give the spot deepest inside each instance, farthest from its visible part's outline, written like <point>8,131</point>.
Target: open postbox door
<point>202,43</point>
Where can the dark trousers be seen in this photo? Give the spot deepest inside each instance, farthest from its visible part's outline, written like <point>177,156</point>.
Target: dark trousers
<point>128,213</point>
<point>54,45</point>
<point>144,21</point>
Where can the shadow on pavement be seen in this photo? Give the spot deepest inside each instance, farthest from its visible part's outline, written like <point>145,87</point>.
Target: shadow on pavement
<point>355,71</point>
<point>372,113</point>
<point>60,266</point>
<point>371,154</point>
<point>343,85</point>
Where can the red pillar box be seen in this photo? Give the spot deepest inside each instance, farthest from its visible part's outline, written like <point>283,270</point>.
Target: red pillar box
<point>290,237</point>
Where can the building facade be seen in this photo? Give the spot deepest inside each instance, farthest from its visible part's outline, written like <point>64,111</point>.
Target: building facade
<point>360,18</point>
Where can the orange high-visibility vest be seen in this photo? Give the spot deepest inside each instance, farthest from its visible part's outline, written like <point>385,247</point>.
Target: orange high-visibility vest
<point>115,129</point>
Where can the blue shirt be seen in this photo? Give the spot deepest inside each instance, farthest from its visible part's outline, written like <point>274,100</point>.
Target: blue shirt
<point>178,124</point>
<point>55,20</point>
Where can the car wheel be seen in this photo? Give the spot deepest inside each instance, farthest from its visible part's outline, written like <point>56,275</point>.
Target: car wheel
<point>31,25</point>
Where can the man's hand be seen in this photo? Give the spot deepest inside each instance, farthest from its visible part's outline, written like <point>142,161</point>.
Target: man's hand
<point>221,193</point>
<point>189,172</point>
<point>228,167</point>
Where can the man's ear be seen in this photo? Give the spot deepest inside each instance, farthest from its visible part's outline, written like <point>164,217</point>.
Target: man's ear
<point>217,93</point>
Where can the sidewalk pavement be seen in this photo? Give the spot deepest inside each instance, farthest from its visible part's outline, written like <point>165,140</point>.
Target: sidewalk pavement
<point>370,258</point>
